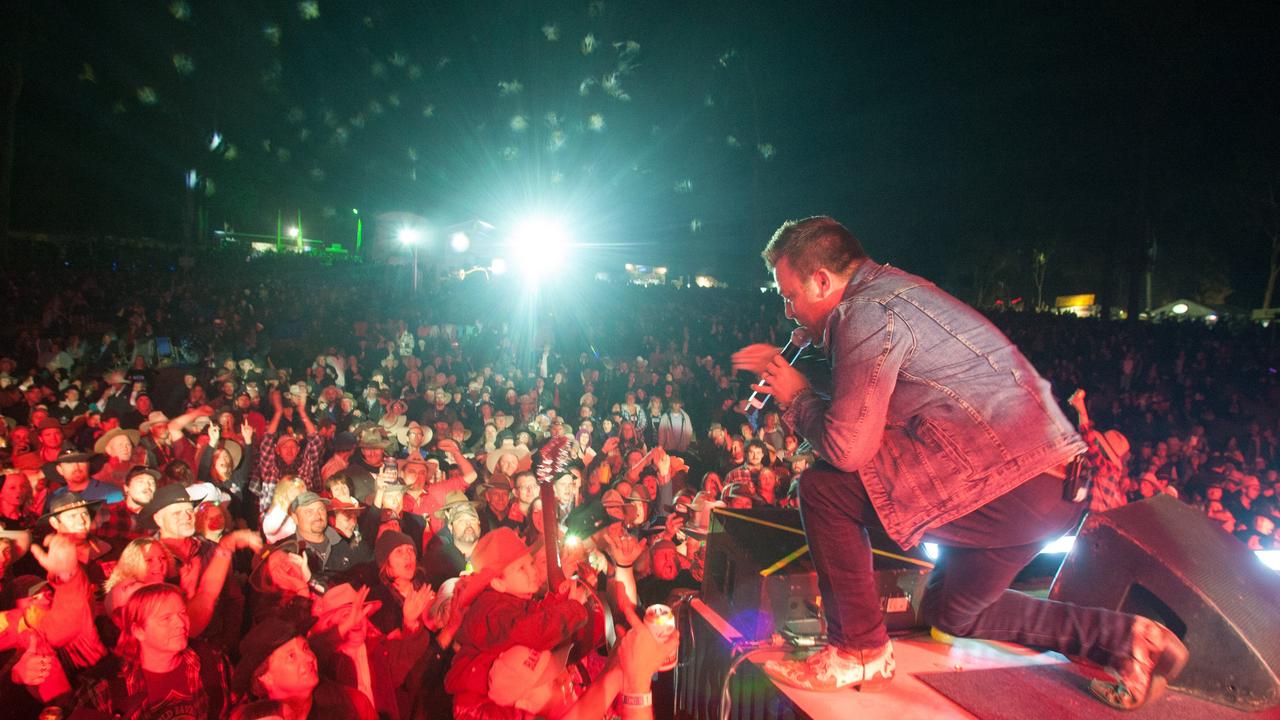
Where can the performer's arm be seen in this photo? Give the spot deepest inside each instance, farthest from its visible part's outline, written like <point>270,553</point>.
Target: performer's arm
<point>868,346</point>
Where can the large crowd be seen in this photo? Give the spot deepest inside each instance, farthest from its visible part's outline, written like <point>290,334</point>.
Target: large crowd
<point>283,488</point>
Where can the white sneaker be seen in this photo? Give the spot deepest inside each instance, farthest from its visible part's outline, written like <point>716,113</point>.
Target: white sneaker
<point>830,669</point>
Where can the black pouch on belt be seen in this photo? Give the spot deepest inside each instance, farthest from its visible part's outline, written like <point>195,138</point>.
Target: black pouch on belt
<point>1079,479</point>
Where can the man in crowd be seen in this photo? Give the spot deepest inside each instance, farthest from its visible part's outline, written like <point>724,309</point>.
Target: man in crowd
<point>70,473</point>
<point>71,516</point>
<point>447,551</point>
<point>121,522</point>
<point>748,473</point>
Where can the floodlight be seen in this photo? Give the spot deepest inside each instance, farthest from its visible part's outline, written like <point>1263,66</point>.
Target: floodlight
<point>409,235</point>
<point>1180,309</point>
<point>292,231</point>
<point>540,244</point>
<point>459,242</point>
<point>1061,546</point>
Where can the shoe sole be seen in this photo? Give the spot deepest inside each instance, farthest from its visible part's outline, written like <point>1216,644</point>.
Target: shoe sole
<point>1172,661</point>
<point>876,684</point>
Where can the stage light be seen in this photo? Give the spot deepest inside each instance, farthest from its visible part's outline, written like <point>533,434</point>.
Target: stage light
<point>1270,558</point>
<point>215,140</point>
<point>540,245</point>
<point>1061,546</point>
<point>459,242</point>
<point>292,231</point>
<point>409,235</point>
<point>1180,309</point>
<point>498,266</point>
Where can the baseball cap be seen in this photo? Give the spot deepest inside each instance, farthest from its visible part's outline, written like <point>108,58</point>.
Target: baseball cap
<point>304,499</point>
<point>496,550</point>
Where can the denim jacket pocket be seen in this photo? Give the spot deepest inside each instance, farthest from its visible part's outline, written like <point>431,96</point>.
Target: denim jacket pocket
<point>943,453</point>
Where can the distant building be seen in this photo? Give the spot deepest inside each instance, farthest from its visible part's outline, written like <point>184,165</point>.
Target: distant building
<point>1082,305</point>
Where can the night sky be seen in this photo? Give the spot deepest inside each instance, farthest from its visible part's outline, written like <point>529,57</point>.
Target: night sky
<point>953,138</point>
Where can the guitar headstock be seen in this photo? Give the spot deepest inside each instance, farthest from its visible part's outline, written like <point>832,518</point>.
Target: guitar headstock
<point>553,459</point>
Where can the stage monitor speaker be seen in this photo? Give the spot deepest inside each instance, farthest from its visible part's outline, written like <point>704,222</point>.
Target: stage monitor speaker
<point>758,580</point>
<point>1165,560</point>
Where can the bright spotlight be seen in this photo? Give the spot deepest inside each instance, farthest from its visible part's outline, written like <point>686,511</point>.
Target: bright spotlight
<point>540,245</point>
<point>459,242</point>
<point>292,231</point>
<point>1180,309</point>
<point>409,236</point>
<point>498,266</point>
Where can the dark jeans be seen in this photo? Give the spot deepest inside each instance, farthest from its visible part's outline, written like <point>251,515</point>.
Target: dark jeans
<point>968,591</point>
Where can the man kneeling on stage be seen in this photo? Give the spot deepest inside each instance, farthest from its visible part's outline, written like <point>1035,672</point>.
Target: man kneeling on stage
<point>935,426</point>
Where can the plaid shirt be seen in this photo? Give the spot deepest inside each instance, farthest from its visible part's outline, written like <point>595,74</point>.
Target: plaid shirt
<point>124,695</point>
<point>1109,480</point>
<point>270,468</point>
<point>742,474</point>
<point>118,525</point>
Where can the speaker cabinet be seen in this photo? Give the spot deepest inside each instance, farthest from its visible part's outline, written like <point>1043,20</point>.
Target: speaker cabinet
<point>1165,560</point>
<point>751,582</point>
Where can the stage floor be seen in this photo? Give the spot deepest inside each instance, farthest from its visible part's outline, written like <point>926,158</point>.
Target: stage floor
<point>907,698</point>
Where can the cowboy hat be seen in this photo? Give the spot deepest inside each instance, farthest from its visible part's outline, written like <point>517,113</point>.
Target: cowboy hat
<point>402,433</point>
<point>164,497</point>
<point>373,438</point>
<point>155,418</point>
<point>100,446</point>
<point>1114,445</point>
<point>233,449</point>
<point>521,453</point>
<point>68,501</point>
<point>455,500</point>
<point>21,542</point>
<point>71,455</point>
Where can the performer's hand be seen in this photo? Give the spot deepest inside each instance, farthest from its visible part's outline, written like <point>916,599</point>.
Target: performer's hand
<point>755,358</point>
<point>782,381</point>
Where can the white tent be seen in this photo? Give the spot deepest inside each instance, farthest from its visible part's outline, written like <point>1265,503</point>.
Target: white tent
<point>1184,309</point>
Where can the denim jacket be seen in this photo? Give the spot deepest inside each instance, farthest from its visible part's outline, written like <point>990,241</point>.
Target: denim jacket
<point>933,406</point>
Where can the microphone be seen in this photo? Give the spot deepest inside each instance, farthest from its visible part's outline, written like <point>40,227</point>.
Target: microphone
<point>796,344</point>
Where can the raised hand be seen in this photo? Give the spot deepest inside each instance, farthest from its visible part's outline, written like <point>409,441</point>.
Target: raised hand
<point>623,548</point>
<point>60,559</point>
<point>242,540</point>
<point>755,358</point>
<point>36,664</point>
<point>415,607</point>
<point>641,655</point>
<point>351,627</point>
